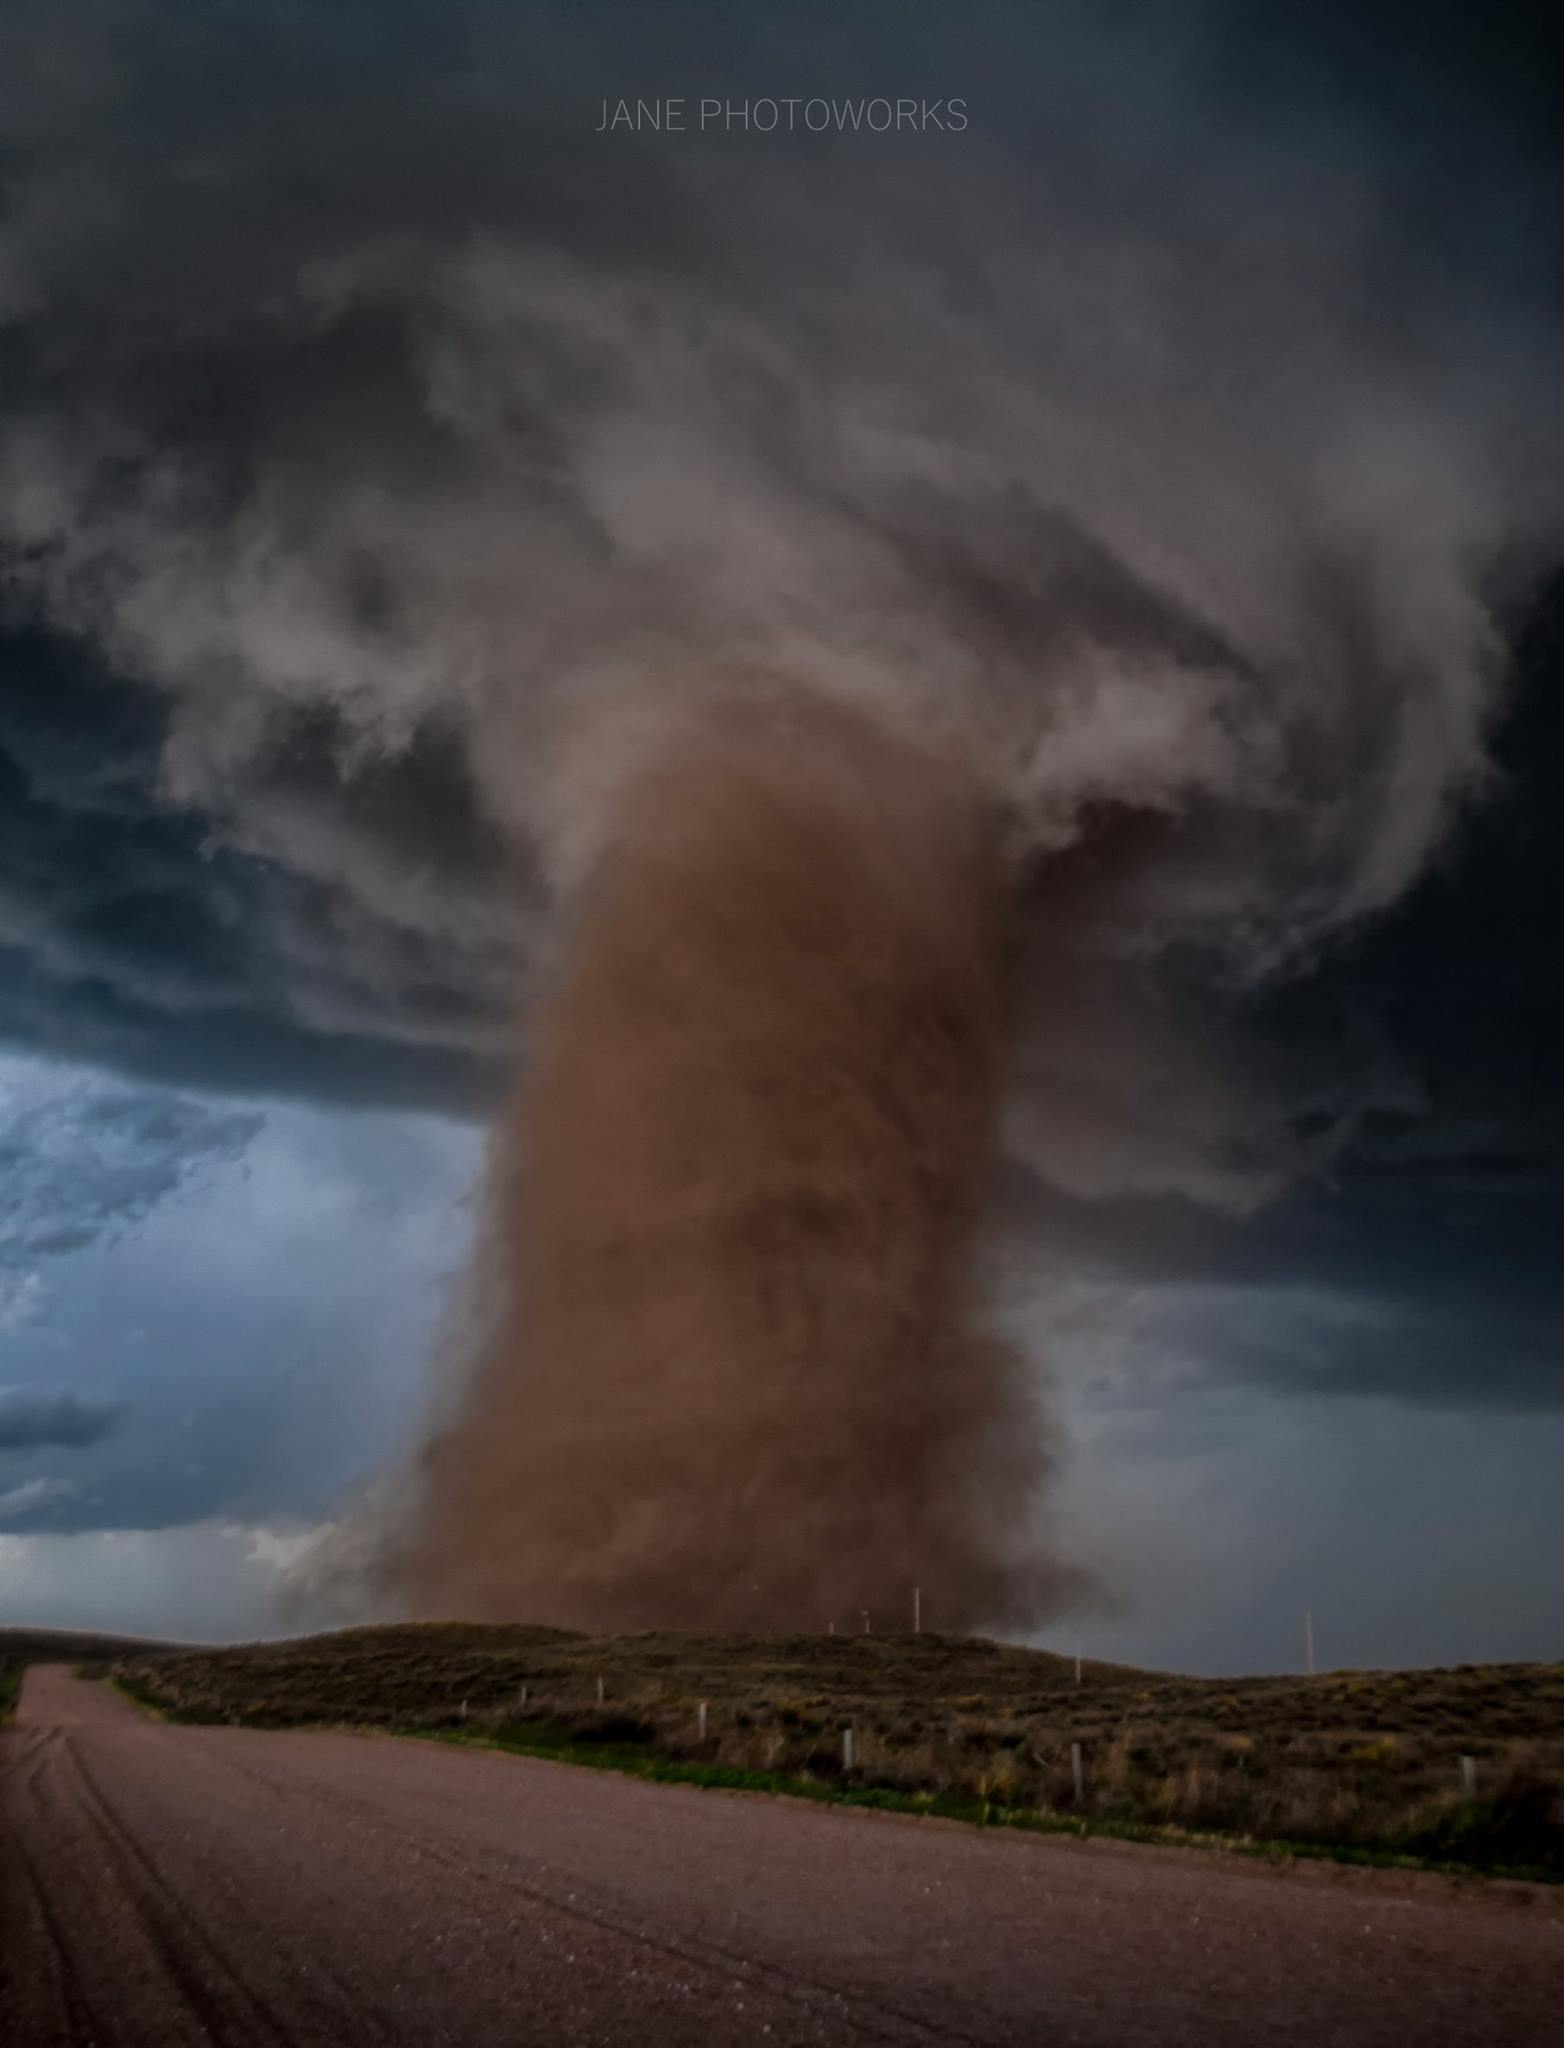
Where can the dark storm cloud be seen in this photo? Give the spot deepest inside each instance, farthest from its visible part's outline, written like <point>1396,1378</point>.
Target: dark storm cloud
<point>131,936</point>
<point>34,1416</point>
<point>419,398</point>
<point>1459,1000</point>
<point>382,456</point>
<point>1445,1297</point>
<point>1431,1284</point>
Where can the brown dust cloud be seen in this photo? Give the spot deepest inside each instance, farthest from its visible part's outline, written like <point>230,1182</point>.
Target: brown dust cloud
<point>729,1368</point>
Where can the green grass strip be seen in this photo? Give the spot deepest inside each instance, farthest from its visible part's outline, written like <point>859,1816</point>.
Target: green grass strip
<point>143,1697</point>
<point>634,1761</point>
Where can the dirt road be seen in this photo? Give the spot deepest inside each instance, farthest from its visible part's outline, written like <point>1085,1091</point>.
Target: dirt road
<point>164,1885</point>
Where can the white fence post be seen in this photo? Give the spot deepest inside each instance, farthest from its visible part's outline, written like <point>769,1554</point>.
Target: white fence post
<point>847,1749</point>
<point>700,1721</point>
<point>600,1692</point>
<point>1469,1776</point>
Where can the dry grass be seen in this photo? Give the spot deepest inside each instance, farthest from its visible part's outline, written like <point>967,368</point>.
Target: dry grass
<point>1356,1761</point>
<point>20,1647</point>
<point>23,1646</point>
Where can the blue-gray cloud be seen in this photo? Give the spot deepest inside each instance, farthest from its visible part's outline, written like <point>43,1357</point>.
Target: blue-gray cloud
<point>34,1500</point>
<point>31,1417</point>
<point>255,1344</point>
<point>83,1160</point>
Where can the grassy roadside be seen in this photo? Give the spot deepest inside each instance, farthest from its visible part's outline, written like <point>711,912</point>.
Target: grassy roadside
<point>139,1696</point>
<point>1357,1768</point>
<point>639,1761</point>
<point>20,1647</point>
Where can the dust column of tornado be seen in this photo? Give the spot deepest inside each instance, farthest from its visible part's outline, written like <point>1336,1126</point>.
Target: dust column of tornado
<point>726,1374</point>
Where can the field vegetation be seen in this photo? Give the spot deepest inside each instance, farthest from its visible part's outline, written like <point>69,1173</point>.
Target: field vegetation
<point>20,1647</point>
<point>1366,1764</point>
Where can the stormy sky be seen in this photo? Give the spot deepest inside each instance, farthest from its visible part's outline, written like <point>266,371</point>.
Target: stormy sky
<point>384,453</point>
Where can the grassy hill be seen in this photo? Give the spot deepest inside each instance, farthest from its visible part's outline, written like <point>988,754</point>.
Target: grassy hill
<point>75,1646</point>
<point>1355,1761</point>
<point>20,1647</point>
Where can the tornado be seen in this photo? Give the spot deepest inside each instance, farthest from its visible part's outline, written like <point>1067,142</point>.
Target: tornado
<point>726,1370</point>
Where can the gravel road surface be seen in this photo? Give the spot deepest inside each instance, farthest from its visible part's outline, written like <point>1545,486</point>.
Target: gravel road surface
<point>163,1885</point>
